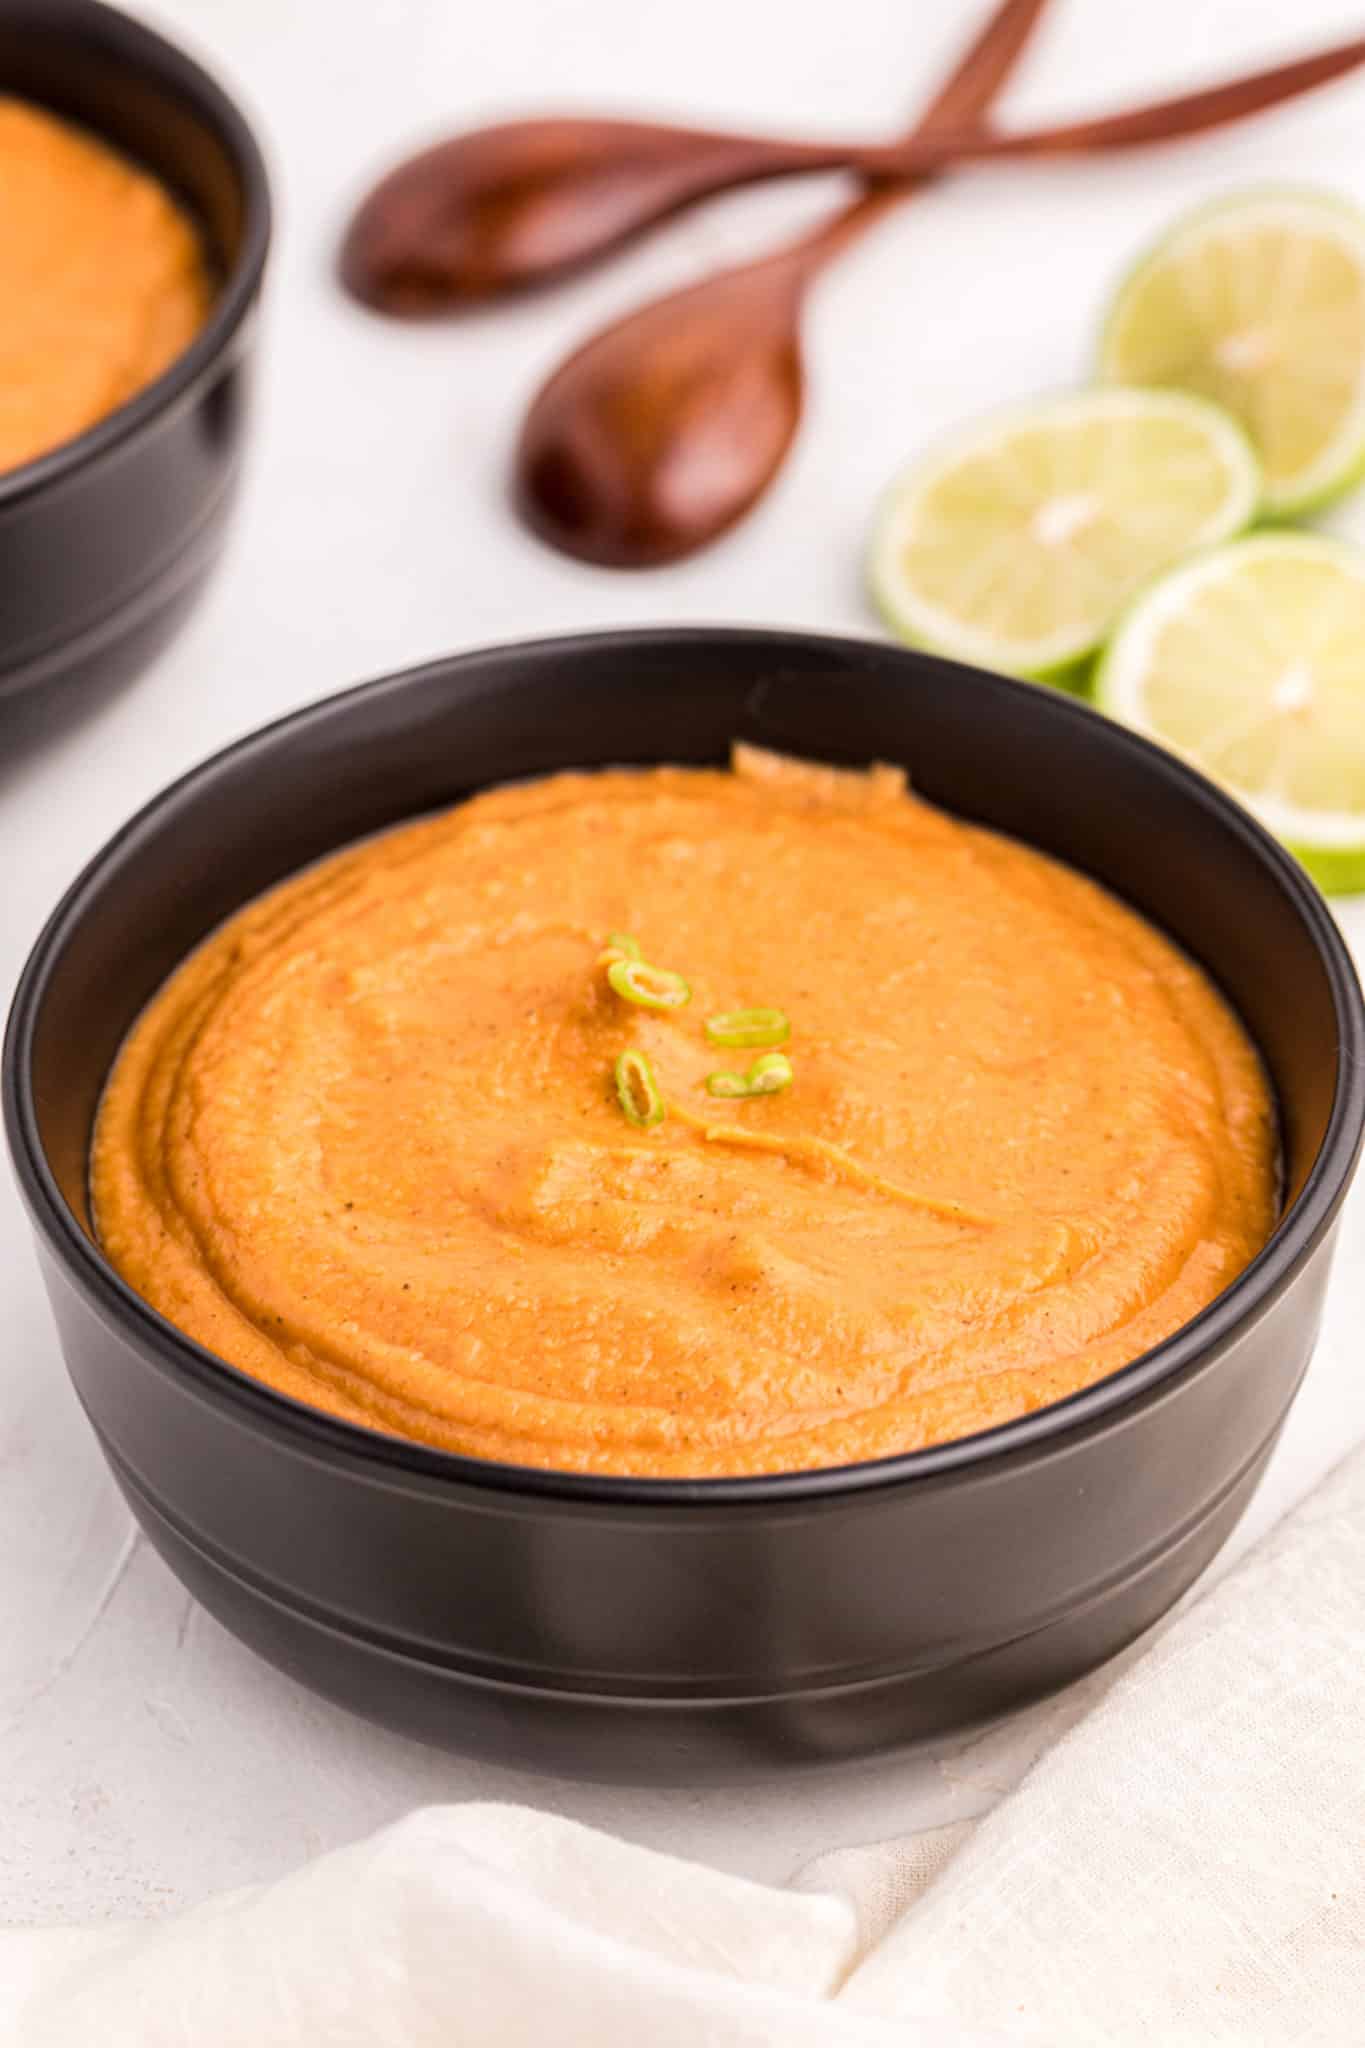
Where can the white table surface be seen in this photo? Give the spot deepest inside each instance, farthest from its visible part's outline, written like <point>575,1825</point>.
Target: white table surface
<point>145,1757</point>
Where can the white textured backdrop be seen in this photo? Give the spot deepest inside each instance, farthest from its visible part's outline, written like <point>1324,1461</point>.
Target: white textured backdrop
<point>146,1759</point>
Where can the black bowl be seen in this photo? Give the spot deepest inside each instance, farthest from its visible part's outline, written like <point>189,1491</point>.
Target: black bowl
<point>671,1628</point>
<point>105,542</point>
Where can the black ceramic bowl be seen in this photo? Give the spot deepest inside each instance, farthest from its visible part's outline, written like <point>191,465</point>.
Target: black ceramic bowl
<point>667,1628</point>
<point>106,541</point>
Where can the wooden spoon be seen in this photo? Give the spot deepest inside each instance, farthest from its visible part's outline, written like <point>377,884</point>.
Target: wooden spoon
<point>504,208</point>
<point>666,427</point>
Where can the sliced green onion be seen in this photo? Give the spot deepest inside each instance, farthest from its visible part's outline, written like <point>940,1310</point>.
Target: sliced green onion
<point>654,988</point>
<point>767,1076</point>
<point>727,1084</point>
<point>624,946</point>
<point>637,1091</point>
<point>749,1027</point>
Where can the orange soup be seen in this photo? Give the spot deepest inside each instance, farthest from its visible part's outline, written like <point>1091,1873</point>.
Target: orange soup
<point>991,1137</point>
<point>102,281</point>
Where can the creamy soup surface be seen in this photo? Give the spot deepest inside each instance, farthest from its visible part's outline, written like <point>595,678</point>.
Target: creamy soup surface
<point>367,1145</point>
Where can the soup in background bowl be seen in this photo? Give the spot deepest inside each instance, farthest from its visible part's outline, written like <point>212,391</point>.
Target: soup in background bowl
<point>104,280</point>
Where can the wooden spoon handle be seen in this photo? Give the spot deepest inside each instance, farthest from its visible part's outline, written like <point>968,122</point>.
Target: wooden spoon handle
<point>1188,113</point>
<point>983,68</point>
<point>966,93</point>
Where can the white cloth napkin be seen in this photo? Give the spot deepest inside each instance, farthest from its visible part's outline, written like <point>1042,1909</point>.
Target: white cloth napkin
<point>1186,1865</point>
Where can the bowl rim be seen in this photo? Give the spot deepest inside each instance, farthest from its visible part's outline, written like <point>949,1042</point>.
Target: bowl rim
<point>1248,1296</point>
<point>144,47</point>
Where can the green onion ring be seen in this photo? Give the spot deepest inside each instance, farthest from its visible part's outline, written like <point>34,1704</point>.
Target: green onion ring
<point>653,988</point>
<point>637,1091</point>
<point>767,1076</point>
<point>749,1027</point>
<point>622,944</point>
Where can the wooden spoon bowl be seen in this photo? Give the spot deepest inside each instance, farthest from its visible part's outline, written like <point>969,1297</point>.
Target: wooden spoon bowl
<point>665,429</point>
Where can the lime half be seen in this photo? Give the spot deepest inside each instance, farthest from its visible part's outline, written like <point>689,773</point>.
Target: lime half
<point>1258,302</point>
<point>1017,543</point>
<point>1248,662</point>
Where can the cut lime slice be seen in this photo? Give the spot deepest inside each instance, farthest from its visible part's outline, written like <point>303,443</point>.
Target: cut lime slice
<point>1017,543</point>
<point>1258,302</point>
<point>1248,662</point>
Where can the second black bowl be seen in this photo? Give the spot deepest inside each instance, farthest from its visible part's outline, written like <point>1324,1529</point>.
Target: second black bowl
<point>672,1628</point>
<point>106,541</point>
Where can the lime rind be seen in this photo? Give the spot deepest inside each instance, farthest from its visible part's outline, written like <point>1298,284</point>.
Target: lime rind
<point>1064,657</point>
<point>1341,466</point>
<point>1335,872</point>
<point>1329,842</point>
